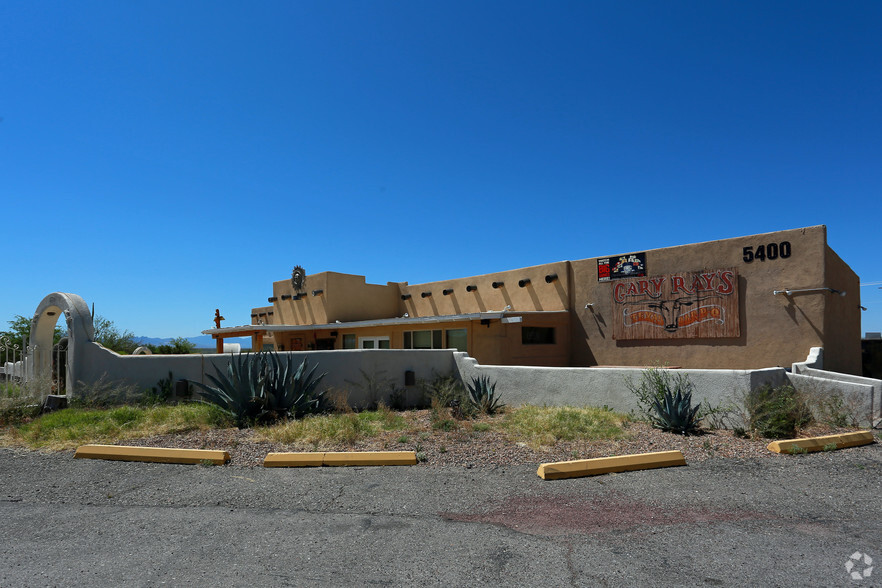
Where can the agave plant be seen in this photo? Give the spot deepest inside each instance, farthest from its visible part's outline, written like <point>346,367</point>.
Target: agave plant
<point>675,413</point>
<point>290,392</point>
<point>238,389</point>
<point>264,387</point>
<point>482,395</point>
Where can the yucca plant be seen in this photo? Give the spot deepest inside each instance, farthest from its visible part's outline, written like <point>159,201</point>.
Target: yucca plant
<point>482,394</point>
<point>675,413</point>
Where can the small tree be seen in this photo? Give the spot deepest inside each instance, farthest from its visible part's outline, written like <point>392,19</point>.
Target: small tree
<point>177,346</point>
<point>110,336</point>
<point>20,329</point>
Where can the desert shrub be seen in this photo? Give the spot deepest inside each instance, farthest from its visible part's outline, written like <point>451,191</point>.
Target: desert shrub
<point>378,388</point>
<point>836,409</point>
<point>777,412</point>
<point>448,398</point>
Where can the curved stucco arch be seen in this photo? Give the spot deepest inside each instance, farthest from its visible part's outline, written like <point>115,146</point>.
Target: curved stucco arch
<point>80,329</point>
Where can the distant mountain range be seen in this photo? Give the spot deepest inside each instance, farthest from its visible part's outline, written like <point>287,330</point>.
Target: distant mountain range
<point>201,342</point>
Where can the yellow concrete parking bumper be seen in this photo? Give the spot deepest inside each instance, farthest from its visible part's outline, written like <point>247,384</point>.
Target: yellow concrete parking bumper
<point>605,465</point>
<point>152,454</point>
<point>827,442</point>
<point>339,458</point>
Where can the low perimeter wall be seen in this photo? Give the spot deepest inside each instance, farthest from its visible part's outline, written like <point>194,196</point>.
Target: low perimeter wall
<point>346,370</point>
<point>349,370</point>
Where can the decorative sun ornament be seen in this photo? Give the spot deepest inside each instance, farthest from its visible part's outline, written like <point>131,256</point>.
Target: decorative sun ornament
<point>298,278</point>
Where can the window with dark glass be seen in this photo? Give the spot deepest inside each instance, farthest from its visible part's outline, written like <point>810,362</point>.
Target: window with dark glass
<point>537,335</point>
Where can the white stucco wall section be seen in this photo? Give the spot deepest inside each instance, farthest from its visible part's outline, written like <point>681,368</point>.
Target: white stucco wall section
<point>552,386</point>
<point>566,386</point>
<point>555,386</point>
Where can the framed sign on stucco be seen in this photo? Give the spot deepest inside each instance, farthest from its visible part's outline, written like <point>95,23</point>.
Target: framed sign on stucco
<point>621,266</point>
<point>684,305</point>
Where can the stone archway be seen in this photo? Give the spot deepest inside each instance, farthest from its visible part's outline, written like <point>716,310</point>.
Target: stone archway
<point>79,330</point>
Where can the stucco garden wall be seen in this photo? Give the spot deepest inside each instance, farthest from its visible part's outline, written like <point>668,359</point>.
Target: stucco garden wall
<point>553,386</point>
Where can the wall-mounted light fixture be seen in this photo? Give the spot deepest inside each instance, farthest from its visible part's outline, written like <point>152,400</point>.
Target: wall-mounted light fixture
<point>862,307</point>
<point>550,278</point>
<point>333,333</point>
<point>524,283</point>
<point>788,292</point>
<point>425,294</point>
<point>498,285</point>
<point>471,288</point>
<point>590,305</point>
<point>405,296</point>
<point>447,291</point>
<point>271,299</point>
<point>318,292</point>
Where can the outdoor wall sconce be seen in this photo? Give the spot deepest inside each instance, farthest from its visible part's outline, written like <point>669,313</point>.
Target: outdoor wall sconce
<point>788,292</point>
<point>524,283</point>
<point>405,296</point>
<point>498,285</point>
<point>426,294</point>
<point>486,322</point>
<point>286,297</point>
<point>271,299</point>
<point>318,292</point>
<point>333,333</point>
<point>862,307</point>
<point>590,305</point>
<point>471,288</point>
<point>550,278</point>
<point>447,292</point>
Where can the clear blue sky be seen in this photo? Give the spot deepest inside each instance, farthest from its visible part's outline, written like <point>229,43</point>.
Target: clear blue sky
<point>163,159</point>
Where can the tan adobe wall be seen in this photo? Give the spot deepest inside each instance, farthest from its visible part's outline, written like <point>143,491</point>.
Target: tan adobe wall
<point>842,318</point>
<point>774,330</point>
<point>332,296</point>
<point>538,295</point>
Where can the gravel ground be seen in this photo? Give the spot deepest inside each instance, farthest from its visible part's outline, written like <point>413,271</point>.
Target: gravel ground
<point>467,447</point>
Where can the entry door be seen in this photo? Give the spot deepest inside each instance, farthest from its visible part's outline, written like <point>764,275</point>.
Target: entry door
<point>373,342</point>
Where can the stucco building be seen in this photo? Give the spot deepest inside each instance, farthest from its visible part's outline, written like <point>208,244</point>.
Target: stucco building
<point>748,302</point>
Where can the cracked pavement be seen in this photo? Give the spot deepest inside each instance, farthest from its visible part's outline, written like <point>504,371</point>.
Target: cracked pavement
<point>784,521</point>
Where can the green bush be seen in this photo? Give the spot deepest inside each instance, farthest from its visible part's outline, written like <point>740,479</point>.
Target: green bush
<point>777,412</point>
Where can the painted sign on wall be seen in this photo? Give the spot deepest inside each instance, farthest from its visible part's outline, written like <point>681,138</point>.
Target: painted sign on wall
<point>685,305</point>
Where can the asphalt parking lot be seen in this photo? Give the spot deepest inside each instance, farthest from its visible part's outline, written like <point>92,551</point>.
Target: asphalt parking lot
<point>782,521</point>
